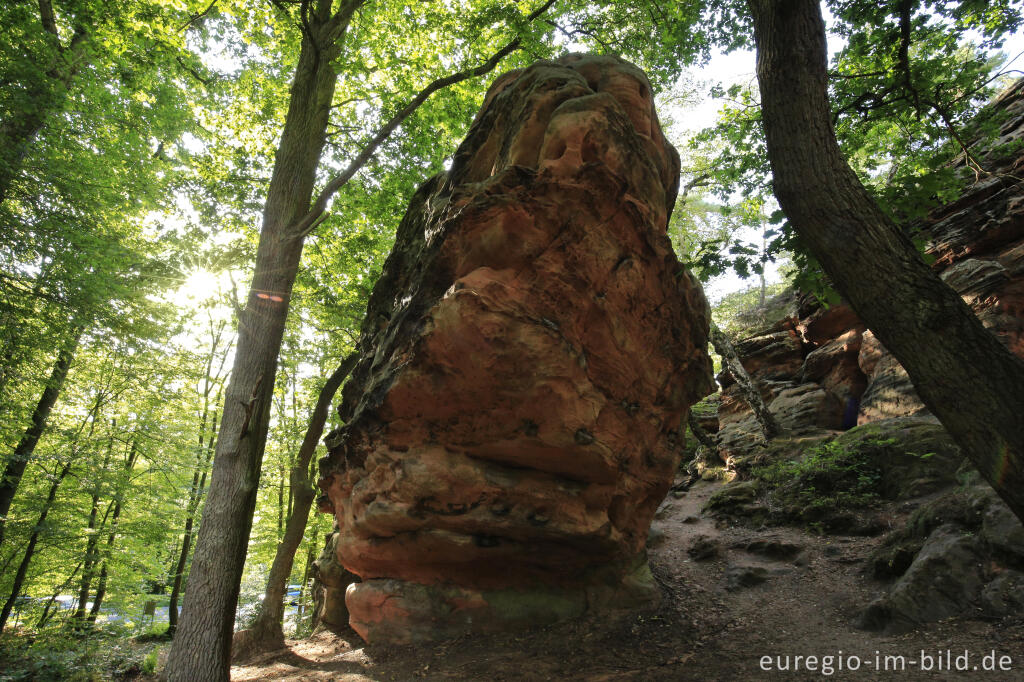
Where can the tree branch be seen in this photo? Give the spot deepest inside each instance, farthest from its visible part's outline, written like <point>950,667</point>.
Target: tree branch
<point>302,227</point>
<point>197,16</point>
<point>47,18</point>
<point>903,58</point>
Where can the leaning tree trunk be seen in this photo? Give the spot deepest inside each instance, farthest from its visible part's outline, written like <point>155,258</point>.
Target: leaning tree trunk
<point>702,436</point>
<point>202,643</point>
<point>964,375</point>
<point>15,468</point>
<point>266,632</point>
<point>751,394</point>
<point>26,559</point>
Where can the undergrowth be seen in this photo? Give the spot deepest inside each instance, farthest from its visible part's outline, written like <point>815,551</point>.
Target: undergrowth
<point>78,656</point>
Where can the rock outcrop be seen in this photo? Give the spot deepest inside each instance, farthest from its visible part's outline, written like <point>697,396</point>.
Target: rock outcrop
<point>960,550</point>
<point>528,358</point>
<point>821,369</point>
<point>330,582</point>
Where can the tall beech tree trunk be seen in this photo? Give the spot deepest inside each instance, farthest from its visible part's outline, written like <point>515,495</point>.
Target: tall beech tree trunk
<point>15,468</point>
<point>964,375</point>
<point>202,645</point>
<point>751,394</point>
<point>266,632</point>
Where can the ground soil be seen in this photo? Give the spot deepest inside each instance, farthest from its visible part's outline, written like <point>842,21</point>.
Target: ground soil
<point>704,629</point>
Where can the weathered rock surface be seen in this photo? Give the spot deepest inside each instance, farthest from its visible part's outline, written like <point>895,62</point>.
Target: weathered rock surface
<point>527,359</point>
<point>956,554</point>
<point>978,245</point>
<point>330,582</point>
<point>944,580</point>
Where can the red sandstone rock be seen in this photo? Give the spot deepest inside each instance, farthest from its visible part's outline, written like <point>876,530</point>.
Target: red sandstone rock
<point>528,357</point>
<point>834,365</point>
<point>825,324</point>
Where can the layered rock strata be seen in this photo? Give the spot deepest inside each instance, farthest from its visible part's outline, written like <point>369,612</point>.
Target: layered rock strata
<point>821,369</point>
<point>527,362</point>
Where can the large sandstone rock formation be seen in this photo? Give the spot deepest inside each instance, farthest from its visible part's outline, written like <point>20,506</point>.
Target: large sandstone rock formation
<point>528,357</point>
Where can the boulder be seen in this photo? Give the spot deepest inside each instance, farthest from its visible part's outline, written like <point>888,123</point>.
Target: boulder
<point>944,580</point>
<point>889,392</point>
<point>1003,533</point>
<point>527,361</point>
<point>1004,595</point>
<point>913,455</point>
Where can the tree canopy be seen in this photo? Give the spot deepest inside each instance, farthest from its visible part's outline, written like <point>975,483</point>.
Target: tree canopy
<point>197,197</point>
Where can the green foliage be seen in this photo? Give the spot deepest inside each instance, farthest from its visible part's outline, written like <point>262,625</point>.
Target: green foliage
<point>742,313</point>
<point>903,90</point>
<point>101,654</point>
<point>827,477</point>
<point>137,140</point>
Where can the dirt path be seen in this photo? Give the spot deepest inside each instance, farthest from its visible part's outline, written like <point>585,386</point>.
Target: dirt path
<point>747,594</point>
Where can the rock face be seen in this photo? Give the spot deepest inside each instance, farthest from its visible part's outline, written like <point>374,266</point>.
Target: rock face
<point>330,581</point>
<point>820,368</point>
<point>528,357</point>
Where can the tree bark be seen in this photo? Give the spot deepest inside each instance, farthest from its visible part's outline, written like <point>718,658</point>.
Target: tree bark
<point>963,374</point>
<point>700,434</point>
<point>751,394</point>
<point>266,632</point>
<point>15,467</point>
<point>202,644</point>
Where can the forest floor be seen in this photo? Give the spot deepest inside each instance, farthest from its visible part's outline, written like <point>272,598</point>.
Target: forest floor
<point>713,623</point>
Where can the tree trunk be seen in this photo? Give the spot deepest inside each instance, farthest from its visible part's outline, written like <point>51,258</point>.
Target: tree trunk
<point>15,468</point>
<point>202,650</point>
<point>963,374</point>
<point>202,643</point>
<point>266,632</point>
<point>700,434</point>
<point>101,588</point>
<point>19,577</point>
<point>91,558</point>
<point>751,394</point>
<point>195,500</point>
